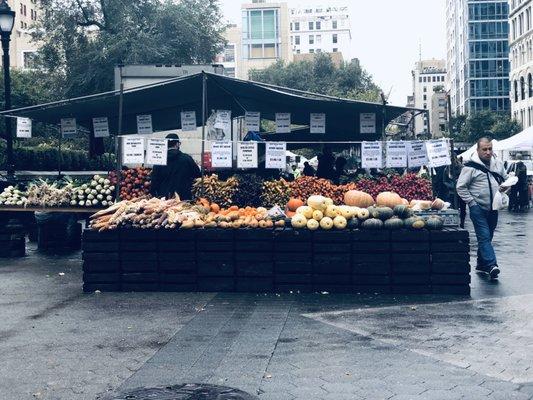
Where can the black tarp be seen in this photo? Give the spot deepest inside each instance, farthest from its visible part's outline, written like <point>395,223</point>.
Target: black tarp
<point>165,100</point>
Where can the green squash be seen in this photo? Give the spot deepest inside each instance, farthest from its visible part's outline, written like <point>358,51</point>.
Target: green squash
<point>419,224</point>
<point>394,223</point>
<point>402,211</point>
<point>383,213</point>
<point>353,223</point>
<point>435,223</point>
<point>408,223</point>
<point>373,223</point>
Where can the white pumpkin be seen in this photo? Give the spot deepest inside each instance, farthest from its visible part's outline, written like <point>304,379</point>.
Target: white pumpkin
<point>317,202</point>
<point>363,214</point>
<point>312,224</point>
<point>346,211</point>
<point>326,223</point>
<point>318,215</point>
<point>340,222</point>
<point>329,202</point>
<point>331,211</point>
<point>306,211</point>
<point>299,221</point>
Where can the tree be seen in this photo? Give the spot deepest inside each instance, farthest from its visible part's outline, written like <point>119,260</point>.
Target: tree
<point>321,75</point>
<point>496,125</point>
<point>83,40</point>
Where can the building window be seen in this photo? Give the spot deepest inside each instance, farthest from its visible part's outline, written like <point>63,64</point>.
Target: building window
<point>420,79</point>
<point>425,89</point>
<point>515,91</point>
<point>318,25</point>
<point>311,39</point>
<point>296,26</point>
<point>229,53</point>
<point>434,79</point>
<point>530,85</point>
<point>425,106</point>
<point>335,49</point>
<point>334,24</point>
<point>311,25</point>
<point>442,102</point>
<point>522,88</point>
<point>318,39</point>
<point>425,79</point>
<point>297,40</point>
<point>291,26</point>
<point>335,38</point>
<point>298,51</point>
<point>319,50</point>
<point>442,127</point>
<point>311,51</point>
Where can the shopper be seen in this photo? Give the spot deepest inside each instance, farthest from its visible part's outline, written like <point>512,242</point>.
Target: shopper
<point>451,176</point>
<point>308,169</point>
<point>325,164</point>
<point>296,172</point>
<point>340,165</point>
<point>178,175</point>
<point>519,196</point>
<point>477,185</point>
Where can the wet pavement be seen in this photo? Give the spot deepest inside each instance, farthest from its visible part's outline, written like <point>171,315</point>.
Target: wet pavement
<point>57,343</point>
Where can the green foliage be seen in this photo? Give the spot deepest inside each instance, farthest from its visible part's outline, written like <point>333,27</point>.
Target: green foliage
<point>83,40</point>
<point>496,125</point>
<point>321,76</point>
<point>307,152</point>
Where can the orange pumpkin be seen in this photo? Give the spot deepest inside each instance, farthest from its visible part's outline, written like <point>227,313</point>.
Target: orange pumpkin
<point>389,199</point>
<point>356,198</point>
<point>293,204</point>
<point>290,214</point>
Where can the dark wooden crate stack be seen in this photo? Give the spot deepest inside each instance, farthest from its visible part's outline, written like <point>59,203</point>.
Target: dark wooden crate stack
<point>59,236</point>
<point>101,261</point>
<point>12,240</point>
<point>279,260</point>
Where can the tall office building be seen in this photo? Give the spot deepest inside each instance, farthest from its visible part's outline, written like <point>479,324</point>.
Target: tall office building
<point>521,56</point>
<point>428,82</point>
<point>21,49</point>
<point>264,36</point>
<point>477,55</point>
<point>316,29</point>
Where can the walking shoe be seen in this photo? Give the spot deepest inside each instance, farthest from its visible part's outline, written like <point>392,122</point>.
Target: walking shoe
<point>481,268</point>
<point>494,272</point>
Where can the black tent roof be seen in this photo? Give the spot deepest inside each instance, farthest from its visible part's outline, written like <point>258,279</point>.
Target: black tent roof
<point>165,100</point>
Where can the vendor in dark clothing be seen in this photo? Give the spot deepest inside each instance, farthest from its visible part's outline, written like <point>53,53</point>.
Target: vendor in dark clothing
<point>178,175</point>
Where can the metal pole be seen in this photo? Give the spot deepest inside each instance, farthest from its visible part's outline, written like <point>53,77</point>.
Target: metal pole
<point>8,120</point>
<point>59,155</point>
<point>204,112</point>
<point>118,149</point>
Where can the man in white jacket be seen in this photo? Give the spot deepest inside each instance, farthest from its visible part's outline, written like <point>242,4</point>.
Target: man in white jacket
<point>477,186</point>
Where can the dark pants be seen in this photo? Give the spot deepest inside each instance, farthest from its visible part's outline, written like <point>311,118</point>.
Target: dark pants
<point>485,222</point>
<point>462,212</point>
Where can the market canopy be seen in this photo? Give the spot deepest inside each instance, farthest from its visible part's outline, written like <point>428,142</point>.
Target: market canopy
<point>520,141</point>
<point>165,100</point>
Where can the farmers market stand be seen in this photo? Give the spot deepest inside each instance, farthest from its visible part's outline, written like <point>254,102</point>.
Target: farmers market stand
<point>277,260</point>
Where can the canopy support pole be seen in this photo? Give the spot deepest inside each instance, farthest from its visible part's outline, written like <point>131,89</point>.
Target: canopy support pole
<point>118,138</point>
<point>204,114</point>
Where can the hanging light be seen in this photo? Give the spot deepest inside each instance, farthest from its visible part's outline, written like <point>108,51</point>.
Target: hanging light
<point>7,19</point>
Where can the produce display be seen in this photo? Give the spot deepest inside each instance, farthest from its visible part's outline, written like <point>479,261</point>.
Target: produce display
<point>306,186</point>
<point>134,182</point>
<point>249,191</point>
<point>215,190</point>
<point>409,186</point>
<point>276,193</point>
<point>11,196</point>
<point>389,211</point>
<point>45,194</point>
<point>97,193</point>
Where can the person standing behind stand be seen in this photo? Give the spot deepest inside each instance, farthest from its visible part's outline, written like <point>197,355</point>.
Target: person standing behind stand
<point>477,185</point>
<point>325,164</point>
<point>519,196</point>
<point>178,175</point>
<point>451,175</point>
<point>308,169</point>
<point>296,172</point>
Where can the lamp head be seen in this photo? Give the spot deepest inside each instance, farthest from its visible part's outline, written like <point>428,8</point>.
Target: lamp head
<point>7,18</point>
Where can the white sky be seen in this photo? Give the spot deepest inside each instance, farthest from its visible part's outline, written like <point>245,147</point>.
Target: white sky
<point>386,35</point>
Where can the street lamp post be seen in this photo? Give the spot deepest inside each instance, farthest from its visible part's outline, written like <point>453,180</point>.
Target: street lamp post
<point>7,20</point>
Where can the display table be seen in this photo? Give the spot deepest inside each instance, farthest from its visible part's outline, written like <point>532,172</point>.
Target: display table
<point>76,210</point>
<point>278,260</point>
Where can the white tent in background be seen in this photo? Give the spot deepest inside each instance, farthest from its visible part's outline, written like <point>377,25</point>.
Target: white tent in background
<point>520,141</point>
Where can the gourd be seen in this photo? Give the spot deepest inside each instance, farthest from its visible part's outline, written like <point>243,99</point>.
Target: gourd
<point>312,224</point>
<point>419,224</point>
<point>326,223</point>
<point>394,223</point>
<point>382,213</point>
<point>353,223</point>
<point>388,199</point>
<point>346,211</point>
<point>340,222</point>
<point>331,211</point>
<point>373,223</point>
<point>358,199</point>
<point>434,223</point>
<point>294,204</point>
<point>437,204</point>
<point>408,223</point>
<point>299,221</point>
<point>317,202</point>
<point>329,202</point>
<point>318,215</point>
<point>402,211</point>
<point>363,214</point>
<point>306,211</point>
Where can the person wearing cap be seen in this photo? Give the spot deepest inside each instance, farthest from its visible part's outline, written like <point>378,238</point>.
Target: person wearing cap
<point>178,175</point>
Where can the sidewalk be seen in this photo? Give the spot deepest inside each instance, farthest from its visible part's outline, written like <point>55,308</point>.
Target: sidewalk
<point>57,343</point>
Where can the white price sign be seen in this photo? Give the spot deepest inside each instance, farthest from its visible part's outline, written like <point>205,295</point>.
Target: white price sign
<point>156,152</point>
<point>417,154</point>
<point>317,123</point>
<point>252,121</point>
<point>396,155</point>
<point>23,128</point>
<point>275,155</point>
<point>222,155</point>
<point>188,121</point>
<point>133,151</point>
<point>223,120</point>
<point>283,122</point>
<point>438,153</point>
<point>68,127</point>
<point>247,155</point>
<point>371,155</point>
<point>144,124</point>
<point>367,122</point>
<point>101,127</point>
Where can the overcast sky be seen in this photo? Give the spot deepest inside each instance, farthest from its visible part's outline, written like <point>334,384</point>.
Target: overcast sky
<point>386,37</point>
